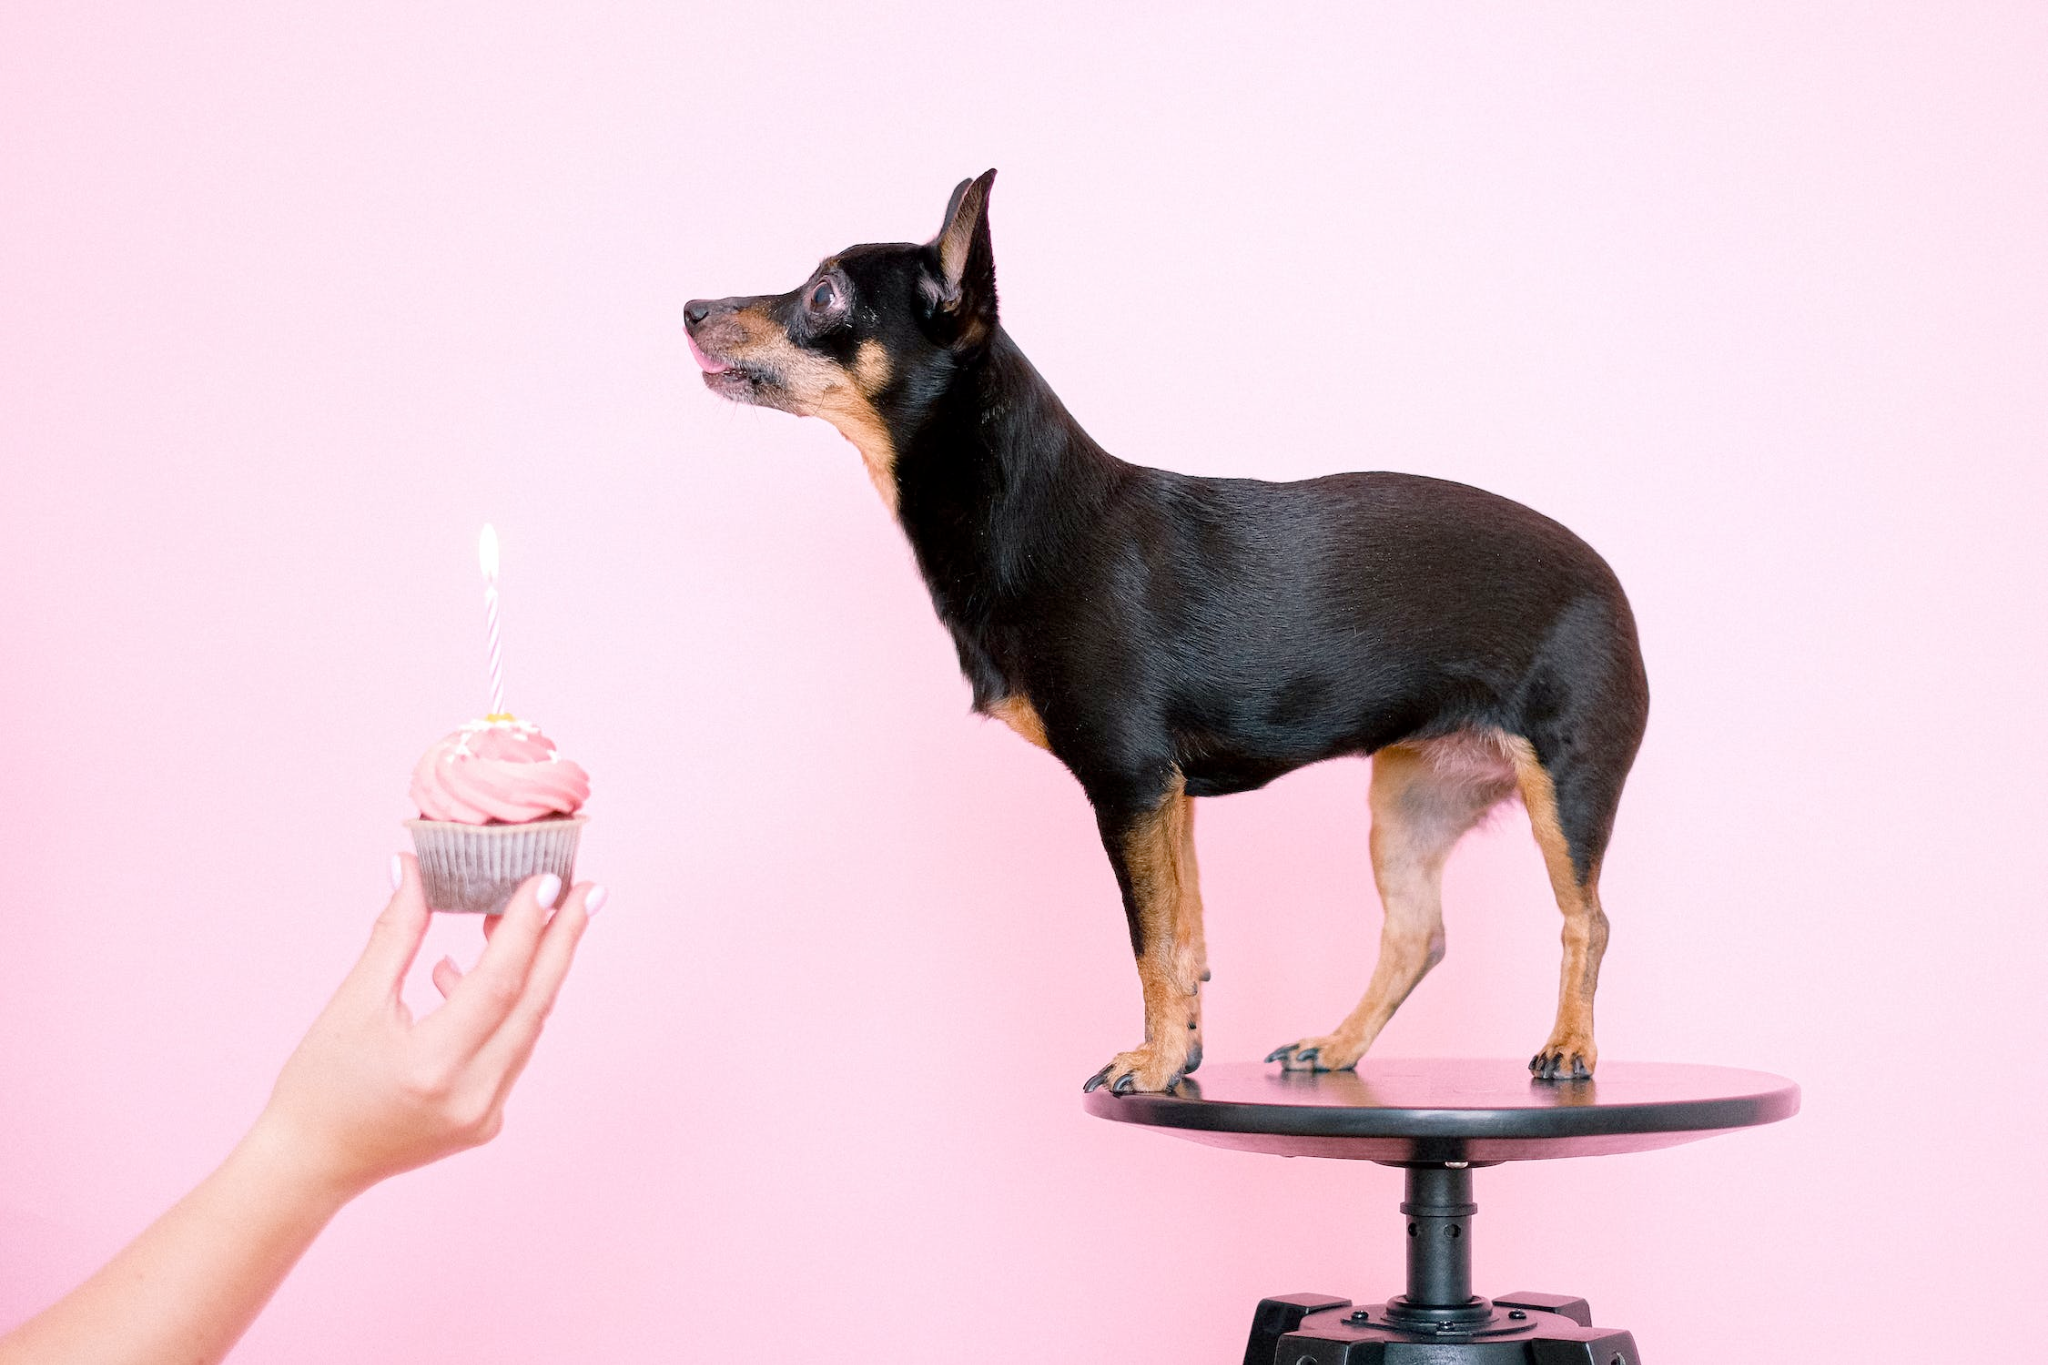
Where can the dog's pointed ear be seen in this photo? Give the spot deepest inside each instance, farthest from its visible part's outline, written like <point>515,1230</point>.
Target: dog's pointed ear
<point>965,267</point>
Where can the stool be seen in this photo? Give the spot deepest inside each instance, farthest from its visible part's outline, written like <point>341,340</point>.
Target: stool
<point>1439,1121</point>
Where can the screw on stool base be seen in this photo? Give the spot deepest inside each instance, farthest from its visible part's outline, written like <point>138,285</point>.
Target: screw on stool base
<point>1439,1321</point>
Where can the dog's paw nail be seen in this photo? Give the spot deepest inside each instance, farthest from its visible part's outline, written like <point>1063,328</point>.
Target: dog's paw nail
<point>1579,1071</point>
<point>1125,1084</point>
<point>1280,1054</point>
<point>1095,1082</point>
<point>1309,1054</point>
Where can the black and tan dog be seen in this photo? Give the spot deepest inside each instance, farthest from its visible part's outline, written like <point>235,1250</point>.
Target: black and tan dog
<point>1169,637</point>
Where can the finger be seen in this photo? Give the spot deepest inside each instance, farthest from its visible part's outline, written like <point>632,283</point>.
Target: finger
<point>482,999</point>
<point>395,938</point>
<point>514,1041</point>
<point>446,976</point>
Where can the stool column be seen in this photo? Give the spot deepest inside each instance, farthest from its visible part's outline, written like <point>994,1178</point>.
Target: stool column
<point>1439,1208</point>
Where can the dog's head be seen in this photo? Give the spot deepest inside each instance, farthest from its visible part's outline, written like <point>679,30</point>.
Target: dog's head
<point>871,338</point>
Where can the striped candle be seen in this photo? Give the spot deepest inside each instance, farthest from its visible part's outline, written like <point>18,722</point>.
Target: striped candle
<point>487,555</point>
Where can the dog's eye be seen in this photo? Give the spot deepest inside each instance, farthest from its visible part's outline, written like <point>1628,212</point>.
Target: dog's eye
<point>823,295</point>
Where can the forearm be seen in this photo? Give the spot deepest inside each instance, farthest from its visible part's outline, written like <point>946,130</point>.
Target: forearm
<point>184,1291</point>
<point>370,1092</point>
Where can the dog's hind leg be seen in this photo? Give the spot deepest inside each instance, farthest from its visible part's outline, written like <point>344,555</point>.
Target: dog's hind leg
<point>1153,854</point>
<point>1582,710</point>
<point>1193,912</point>
<point>1570,1051</point>
<point>1425,796</point>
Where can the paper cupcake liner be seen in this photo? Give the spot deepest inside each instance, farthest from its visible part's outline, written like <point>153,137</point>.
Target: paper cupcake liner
<point>474,869</point>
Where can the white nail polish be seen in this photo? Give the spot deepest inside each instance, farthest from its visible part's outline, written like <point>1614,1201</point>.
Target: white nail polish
<point>397,872</point>
<point>594,901</point>
<point>549,889</point>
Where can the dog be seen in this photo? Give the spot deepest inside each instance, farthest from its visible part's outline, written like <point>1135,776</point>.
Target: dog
<point>1169,637</point>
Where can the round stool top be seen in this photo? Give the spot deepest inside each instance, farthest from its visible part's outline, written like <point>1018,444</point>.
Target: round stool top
<point>1455,1110</point>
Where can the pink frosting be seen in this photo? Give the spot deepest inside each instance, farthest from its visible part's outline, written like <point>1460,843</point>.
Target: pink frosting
<point>497,772</point>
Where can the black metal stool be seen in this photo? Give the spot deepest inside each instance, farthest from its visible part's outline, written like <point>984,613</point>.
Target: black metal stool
<point>1440,1120</point>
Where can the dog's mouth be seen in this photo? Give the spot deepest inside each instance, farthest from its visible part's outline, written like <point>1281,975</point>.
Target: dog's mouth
<point>727,378</point>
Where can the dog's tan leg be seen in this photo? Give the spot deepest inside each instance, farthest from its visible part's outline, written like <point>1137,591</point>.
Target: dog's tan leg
<point>1155,866</point>
<point>1424,797</point>
<point>1191,910</point>
<point>1570,1051</point>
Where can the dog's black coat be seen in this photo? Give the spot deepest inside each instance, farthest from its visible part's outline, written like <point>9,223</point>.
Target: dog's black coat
<point>1240,629</point>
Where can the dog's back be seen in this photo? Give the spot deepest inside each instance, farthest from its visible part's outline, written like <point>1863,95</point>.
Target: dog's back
<point>1274,624</point>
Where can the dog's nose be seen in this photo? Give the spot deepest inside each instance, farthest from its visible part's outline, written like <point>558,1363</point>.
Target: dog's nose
<point>695,311</point>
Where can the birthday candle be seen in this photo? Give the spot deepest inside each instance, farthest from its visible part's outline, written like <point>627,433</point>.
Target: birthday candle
<point>487,556</point>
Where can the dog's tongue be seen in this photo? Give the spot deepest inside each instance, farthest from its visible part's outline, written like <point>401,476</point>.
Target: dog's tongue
<point>708,365</point>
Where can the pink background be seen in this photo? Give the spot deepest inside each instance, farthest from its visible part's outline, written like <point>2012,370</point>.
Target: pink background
<point>293,298</point>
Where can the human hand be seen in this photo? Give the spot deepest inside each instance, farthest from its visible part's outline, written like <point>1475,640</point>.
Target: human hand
<point>371,1091</point>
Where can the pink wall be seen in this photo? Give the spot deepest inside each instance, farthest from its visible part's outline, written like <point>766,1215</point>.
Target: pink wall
<point>1751,296</point>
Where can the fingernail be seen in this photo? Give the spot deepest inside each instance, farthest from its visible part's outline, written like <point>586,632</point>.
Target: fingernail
<point>548,891</point>
<point>594,899</point>
<point>397,872</point>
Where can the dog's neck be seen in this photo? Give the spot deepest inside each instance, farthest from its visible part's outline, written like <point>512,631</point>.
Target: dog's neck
<point>992,475</point>
<point>992,483</point>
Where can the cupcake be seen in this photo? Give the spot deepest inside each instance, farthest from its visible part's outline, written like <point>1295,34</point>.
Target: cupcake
<point>497,805</point>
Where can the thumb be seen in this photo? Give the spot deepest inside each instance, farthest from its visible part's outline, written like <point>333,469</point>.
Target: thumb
<point>395,938</point>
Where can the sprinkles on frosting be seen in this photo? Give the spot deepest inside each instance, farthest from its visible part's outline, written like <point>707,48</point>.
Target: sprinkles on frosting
<point>525,729</point>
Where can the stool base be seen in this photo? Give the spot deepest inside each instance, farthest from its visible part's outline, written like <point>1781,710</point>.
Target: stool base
<point>1520,1329</point>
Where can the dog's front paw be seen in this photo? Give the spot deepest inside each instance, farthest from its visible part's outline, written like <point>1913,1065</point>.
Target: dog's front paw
<point>1146,1070</point>
<point>1330,1052</point>
<point>1570,1058</point>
